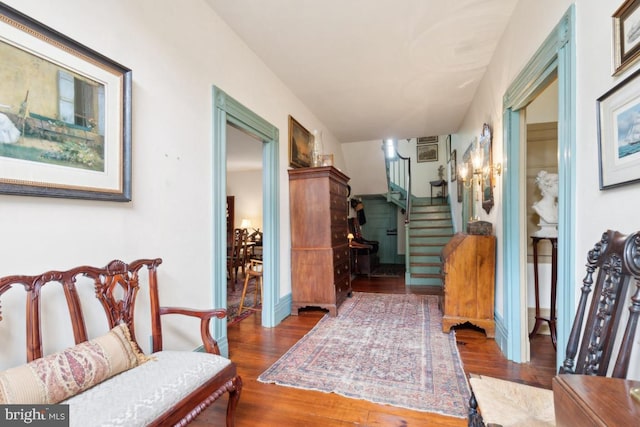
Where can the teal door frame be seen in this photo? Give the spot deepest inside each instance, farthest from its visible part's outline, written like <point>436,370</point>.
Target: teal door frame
<point>228,110</point>
<point>556,57</point>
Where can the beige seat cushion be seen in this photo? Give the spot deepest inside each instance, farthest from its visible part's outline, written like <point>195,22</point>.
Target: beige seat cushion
<point>508,403</point>
<point>138,396</point>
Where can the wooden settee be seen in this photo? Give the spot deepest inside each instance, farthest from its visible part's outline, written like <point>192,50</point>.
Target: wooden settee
<point>163,388</point>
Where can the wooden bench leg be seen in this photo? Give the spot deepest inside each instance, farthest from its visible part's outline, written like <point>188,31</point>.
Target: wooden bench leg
<point>234,397</point>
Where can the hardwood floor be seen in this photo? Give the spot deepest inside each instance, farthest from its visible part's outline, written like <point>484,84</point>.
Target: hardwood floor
<point>254,349</point>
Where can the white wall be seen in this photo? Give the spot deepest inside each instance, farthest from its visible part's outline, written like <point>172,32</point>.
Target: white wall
<point>246,187</point>
<point>177,51</point>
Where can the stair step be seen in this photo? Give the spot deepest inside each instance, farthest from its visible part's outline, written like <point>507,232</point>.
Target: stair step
<point>424,264</point>
<point>427,275</point>
<point>430,230</point>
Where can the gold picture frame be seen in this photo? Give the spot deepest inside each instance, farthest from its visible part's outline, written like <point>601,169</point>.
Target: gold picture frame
<point>300,145</point>
<point>626,35</point>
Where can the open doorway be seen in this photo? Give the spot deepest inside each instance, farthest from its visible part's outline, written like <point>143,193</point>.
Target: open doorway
<point>226,110</point>
<point>244,212</point>
<point>555,59</point>
<point>541,215</point>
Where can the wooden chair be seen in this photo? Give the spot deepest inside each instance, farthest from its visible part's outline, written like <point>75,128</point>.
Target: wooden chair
<point>236,255</point>
<point>597,335</point>
<point>366,251</point>
<point>253,272</point>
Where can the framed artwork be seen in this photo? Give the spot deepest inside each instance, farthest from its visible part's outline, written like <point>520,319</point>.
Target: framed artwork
<point>453,166</point>
<point>427,153</point>
<point>487,177</point>
<point>448,147</point>
<point>427,140</point>
<point>300,145</point>
<point>65,115</point>
<point>626,35</point>
<point>619,133</point>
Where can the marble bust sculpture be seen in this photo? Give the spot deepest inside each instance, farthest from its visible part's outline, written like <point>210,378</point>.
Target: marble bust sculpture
<point>547,206</point>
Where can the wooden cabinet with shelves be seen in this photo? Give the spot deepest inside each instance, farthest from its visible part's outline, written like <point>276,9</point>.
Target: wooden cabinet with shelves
<point>469,264</point>
<point>319,245</point>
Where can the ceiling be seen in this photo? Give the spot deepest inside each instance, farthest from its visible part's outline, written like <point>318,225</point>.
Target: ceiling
<point>370,69</point>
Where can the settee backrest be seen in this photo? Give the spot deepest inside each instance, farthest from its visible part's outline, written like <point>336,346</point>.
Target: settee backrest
<point>599,331</point>
<point>116,286</point>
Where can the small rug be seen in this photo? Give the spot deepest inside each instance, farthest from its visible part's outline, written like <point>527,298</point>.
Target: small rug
<point>233,300</point>
<point>387,349</point>
<point>388,270</point>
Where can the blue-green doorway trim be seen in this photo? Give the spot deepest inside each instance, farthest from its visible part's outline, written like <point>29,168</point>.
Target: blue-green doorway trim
<point>555,58</point>
<point>228,110</point>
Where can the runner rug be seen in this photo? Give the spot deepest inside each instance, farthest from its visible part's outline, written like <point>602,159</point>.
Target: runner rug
<point>387,349</point>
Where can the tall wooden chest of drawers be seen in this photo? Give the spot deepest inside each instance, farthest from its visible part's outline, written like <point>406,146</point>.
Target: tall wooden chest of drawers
<point>469,269</point>
<point>319,245</point>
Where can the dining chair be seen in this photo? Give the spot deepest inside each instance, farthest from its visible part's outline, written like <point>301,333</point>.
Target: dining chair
<point>253,272</point>
<point>236,255</point>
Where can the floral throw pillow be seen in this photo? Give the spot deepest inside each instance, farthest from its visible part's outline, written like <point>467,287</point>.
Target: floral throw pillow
<point>61,375</point>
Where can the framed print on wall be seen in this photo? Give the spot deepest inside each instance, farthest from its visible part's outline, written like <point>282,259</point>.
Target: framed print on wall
<point>626,35</point>
<point>454,166</point>
<point>427,153</point>
<point>65,115</point>
<point>487,175</point>
<point>619,133</point>
<point>300,145</point>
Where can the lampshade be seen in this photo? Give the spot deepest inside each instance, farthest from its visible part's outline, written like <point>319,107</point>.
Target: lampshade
<point>245,223</point>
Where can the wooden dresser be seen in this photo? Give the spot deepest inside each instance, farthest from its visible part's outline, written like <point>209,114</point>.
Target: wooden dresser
<point>585,400</point>
<point>319,245</point>
<point>469,264</point>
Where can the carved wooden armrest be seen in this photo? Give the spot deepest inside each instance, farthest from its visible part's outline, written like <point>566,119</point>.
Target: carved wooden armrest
<point>210,344</point>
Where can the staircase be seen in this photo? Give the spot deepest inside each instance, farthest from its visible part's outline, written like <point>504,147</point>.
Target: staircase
<point>429,231</point>
<point>429,226</point>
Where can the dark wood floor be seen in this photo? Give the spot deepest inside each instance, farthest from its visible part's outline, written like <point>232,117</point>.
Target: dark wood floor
<point>254,349</point>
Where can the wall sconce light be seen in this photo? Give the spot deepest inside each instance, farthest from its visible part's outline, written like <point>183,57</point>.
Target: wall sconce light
<point>495,170</point>
<point>477,161</point>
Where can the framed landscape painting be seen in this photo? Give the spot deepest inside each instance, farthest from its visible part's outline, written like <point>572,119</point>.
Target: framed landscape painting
<point>65,115</point>
<point>300,145</point>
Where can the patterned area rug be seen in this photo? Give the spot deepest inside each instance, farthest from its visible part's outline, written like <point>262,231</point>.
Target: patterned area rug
<point>387,349</point>
<point>233,300</point>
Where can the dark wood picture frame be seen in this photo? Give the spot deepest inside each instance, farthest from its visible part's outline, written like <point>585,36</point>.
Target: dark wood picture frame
<point>453,165</point>
<point>626,35</point>
<point>300,145</point>
<point>427,153</point>
<point>487,175</point>
<point>77,145</point>
<point>619,134</point>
